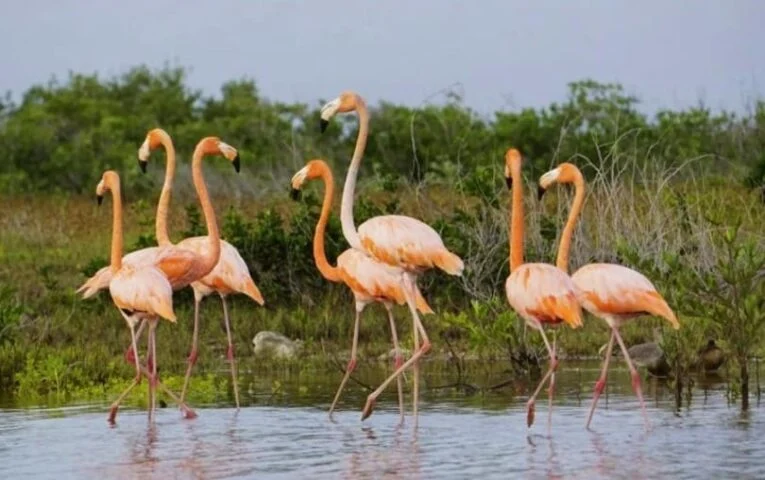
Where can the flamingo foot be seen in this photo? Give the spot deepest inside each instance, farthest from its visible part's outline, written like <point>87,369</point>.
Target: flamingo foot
<point>368,408</point>
<point>192,360</point>
<point>113,414</point>
<point>189,414</point>
<point>530,413</point>
<point>229,353</point>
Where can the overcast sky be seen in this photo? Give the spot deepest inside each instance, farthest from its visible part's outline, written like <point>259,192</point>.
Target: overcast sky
<point>503,53</point>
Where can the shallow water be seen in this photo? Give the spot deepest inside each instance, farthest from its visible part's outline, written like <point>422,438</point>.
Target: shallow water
<point>459,436</point>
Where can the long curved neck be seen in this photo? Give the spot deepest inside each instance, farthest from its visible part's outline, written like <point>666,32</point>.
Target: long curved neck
<point>346,207</point>
<point>164,199</point>
<point>516,220</point>
<point>116,253</point>
<point>213,254</point>
<point>319,254</point>
<point>568,230</point>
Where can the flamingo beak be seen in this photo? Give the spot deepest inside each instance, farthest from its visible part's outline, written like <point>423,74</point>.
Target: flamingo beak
<point>142,164</point>
<point>540,192</point>
<point>237,164</point>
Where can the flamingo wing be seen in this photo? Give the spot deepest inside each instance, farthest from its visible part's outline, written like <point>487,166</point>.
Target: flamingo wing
<point>375,280</point>
<point>142,290</point>
<point>543,294</point>
<point>407,243</point>
<point>230,274</point>
<point>607,289</point>
<point>100,280</point>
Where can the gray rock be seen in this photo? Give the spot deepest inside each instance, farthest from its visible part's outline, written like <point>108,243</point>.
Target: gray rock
<point>275,345</point>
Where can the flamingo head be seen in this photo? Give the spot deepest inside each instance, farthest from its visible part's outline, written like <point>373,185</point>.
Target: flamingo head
<point>348,101</point>
<point>214,146</point>
<point>564,173</point>
<point>152,141</point>
<point>313,169</point>
<point>513,161</point>
<point>110,180</point>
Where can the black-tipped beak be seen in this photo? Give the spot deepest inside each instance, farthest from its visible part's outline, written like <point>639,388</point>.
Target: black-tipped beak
<point>237,164</point>
<point>323,124</point>
<point>540,192</point>
<point>142,164</point>
<point>509,182</point>
<point>295,193</point>
<point>99,199</point>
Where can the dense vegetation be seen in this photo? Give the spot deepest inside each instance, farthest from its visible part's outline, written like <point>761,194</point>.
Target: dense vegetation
<point>676,195</point>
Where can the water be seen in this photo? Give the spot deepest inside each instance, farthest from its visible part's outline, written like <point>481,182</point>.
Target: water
<point>459,436</point>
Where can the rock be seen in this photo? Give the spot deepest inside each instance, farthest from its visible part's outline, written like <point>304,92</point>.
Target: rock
<point>275,345</point>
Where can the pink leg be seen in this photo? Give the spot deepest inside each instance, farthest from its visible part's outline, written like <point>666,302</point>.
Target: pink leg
<point>550,370</point>
<point>601,383</point>
<point>230,353</point>
<point>116,405</point>
<point>423,349</point>
<point>129,354</point>
<point>192,360</point>
<point>397,361</point>
<point>153,369</point>
<point>635,377</point>
<point>352,362</point>
<point>187,412</point>
<point>416,366</point>
<point>551,388</point>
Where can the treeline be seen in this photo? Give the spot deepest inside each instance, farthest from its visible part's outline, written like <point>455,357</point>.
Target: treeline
<point>62,135</point>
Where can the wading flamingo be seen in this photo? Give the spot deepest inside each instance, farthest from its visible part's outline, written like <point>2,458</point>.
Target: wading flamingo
<point>139,293</point>
<point>396,240</point>
<point>540,293</point>
<point>369,280</point>
<point>182,266</point>
<point>230,274</point>
<point>609,291</point>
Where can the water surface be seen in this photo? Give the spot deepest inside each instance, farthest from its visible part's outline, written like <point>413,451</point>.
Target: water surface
<point>483,435</point>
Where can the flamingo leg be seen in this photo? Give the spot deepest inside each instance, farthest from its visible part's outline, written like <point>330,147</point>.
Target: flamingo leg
<point>230,352</point>
<point>153,376</point>
<point>416,366</point>
<point>601,383</point>
<point>130,353</point>
<point>551,388</point>
<point>192,360</point>
<point>422,350</point>
<point>635,376</point>
<point>116,405</point>
<point>352,362</point>
<point>553,366</point>
<point>398,361</point>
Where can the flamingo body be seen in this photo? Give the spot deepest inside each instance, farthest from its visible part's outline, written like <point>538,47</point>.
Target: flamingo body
<point>407,243</point>
<point>543,295</point>
<point>616,294</point>
<point>142,292</point>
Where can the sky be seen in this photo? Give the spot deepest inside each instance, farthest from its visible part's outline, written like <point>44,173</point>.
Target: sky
<point>500,54</point>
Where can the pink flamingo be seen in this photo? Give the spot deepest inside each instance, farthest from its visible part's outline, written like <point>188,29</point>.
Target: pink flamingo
<point>396,240</point>
<point>179,265</point>
<point>229,276</point>
<point>540,293</point>
<point>609,291</point>
<point>139,293</point>
<point>369,280</point>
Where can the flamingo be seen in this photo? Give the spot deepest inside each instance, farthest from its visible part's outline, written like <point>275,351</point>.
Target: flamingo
<point>396,240</point>
<point>540,293</point>
<point>139,293</point>
<point>181,266</point>
<point>370,281</point>
<point>230,275</point>
<point>608,291</point>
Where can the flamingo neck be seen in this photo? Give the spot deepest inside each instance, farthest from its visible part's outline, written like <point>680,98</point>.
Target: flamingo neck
<point>568,230</point>
<point>516,219</point>
<point>116,252</point>
<point>164,198</point>
<point>213,254</point>
<point>319,253</point>
<point>346,207</point>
